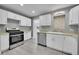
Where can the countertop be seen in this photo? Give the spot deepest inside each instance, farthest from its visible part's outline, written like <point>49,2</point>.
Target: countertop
<point>62,33</point>
<point>3,33</point>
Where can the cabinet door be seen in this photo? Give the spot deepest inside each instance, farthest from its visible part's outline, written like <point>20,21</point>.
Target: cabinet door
<point>55,41</point>
<point>23,21</point>
<point>45,20</point>
<point>17,17</point>
<point>42,22</point>
<point>59,39</point>
<point>74,16</point>
<point>70,45</point>
<point>48,19</point>
<point>28,21</point>
<point>27,35</point>
<point>3,16</point>
<point>4,42</point>
<point>50,41</point>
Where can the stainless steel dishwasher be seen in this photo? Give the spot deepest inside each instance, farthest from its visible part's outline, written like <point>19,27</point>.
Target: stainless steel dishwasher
<point>42,39</point>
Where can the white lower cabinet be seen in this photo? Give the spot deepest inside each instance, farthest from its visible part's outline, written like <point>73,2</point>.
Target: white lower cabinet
<point>55,41</point>
<point>70,45</point>
<point>4,41</point>
<point>27,35</point>
<point>67,44</point>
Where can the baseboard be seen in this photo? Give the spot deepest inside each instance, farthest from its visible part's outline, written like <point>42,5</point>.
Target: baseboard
<point>4,51</point>
<point>42,45</point>
<point>61,51</point>
<point>27,39</point>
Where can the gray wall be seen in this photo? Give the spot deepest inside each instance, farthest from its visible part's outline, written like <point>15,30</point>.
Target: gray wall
<point>67,27</point>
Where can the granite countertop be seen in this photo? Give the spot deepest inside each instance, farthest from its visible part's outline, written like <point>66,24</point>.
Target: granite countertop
<point>62,33</point>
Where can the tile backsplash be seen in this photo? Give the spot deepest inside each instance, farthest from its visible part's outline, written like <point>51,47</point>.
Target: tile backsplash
<point>12,23</point>
<point>25,29</point>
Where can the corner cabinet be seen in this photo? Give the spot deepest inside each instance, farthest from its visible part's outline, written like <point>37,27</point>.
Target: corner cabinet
<point>25,21</point>
<point>74,16</point>
<point>45,20</point>
<point>28,22</point>
<point>3,17</point>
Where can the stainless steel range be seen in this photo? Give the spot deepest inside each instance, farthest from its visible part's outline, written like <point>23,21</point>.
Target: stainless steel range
<point>16,38</point>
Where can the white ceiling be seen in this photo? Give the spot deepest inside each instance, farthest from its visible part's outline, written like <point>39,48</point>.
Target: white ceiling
<point>27,9</point>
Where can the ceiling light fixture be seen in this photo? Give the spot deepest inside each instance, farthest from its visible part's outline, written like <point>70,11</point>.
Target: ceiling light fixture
<point>33,11</point>
<point>21,4</point>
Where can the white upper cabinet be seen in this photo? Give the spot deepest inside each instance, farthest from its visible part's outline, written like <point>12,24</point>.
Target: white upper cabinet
<point>3,17</point>
<point>45,20</point>
<point>28,22</point>
<point>14,16</point>
<point>25,21</point>
<point>17,17</point>
<point>11,15</point>
<point>74,16</point>
<point>27,35</point>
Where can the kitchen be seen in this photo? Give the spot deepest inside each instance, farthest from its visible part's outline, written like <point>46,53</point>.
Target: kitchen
<point>55,31</point>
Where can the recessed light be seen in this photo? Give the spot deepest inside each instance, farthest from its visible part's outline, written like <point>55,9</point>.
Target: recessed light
<point>33,11</point>
<point>21,4</point>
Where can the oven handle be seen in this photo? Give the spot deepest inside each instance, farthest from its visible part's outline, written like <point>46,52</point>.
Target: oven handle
<point>16,35</point>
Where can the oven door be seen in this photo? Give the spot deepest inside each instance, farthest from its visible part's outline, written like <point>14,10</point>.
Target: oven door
<point>16,38</point>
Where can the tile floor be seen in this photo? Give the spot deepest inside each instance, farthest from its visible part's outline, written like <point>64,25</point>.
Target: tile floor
<point>30,48</point>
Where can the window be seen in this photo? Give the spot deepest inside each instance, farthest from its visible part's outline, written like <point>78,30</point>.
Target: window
<point>59,23</point>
